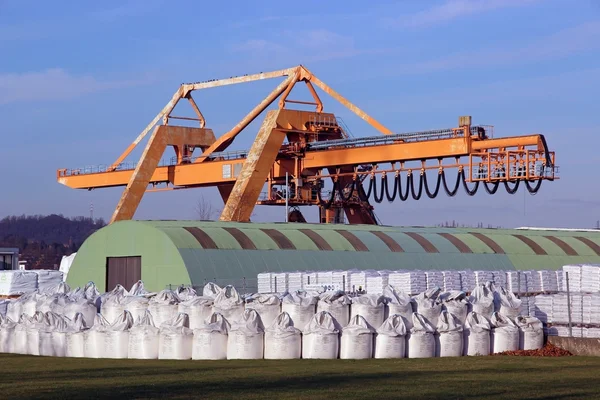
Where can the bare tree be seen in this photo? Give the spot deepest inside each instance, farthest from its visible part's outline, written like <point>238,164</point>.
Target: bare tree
<point>205,211</point>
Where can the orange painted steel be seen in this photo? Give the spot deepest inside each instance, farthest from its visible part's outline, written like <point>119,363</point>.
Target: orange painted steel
<point>240,177</point>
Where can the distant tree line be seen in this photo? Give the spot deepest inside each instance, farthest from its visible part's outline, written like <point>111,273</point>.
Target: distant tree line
<point>43,240</point>
<point>455,224</point>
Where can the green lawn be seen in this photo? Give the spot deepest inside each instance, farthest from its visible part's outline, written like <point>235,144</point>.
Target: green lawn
<point>491,377</point>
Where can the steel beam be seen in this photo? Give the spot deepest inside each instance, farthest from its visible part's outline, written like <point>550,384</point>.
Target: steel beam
<point>255,170</point>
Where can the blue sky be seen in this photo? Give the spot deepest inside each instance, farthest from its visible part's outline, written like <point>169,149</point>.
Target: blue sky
<point>79,81</point>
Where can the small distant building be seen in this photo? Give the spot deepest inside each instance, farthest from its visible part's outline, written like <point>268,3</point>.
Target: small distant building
<point>9,258</point>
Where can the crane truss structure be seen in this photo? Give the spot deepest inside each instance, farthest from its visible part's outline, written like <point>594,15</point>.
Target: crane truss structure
<point>300,150</point>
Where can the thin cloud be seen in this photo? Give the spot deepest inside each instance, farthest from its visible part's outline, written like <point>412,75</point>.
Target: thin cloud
<point>56,84</point>
<point>452,10</point>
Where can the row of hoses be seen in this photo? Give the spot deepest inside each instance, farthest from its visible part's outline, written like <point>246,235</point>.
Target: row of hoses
<point>410,189</point>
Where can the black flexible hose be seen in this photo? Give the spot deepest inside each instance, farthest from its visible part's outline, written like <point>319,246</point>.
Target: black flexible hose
<point>470,192</point>
<point>375,197</point>
<point>341,191</point>
<point>417,195</point>
<point>514,188</point>
<point>389,197</point>
<point>449,192</point>
<point>533,189</point>
<point>494,188</point>
<point>432,195</point>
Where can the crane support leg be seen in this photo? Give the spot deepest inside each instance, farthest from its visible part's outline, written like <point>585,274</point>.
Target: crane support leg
<point>255,170</point>
<point>132,195</point>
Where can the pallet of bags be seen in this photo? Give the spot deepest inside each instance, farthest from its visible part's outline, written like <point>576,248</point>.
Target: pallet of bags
<point>48,279</point>
<point>574,272</point>
<point>548,281</point>
<point>358,279</point>
<point>590,278</point>
<point>265,282</point>
<point>452,280</point>
<point>467,280</point>
<point>409,282</point>
<point>499,278</point>
<point>435,279</point>
<point>295,281</point>
<point>376,282</point>
<point>542,308</point>
<point>13,283</point>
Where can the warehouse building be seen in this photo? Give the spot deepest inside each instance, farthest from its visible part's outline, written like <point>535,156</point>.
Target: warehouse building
<point>171,253</point>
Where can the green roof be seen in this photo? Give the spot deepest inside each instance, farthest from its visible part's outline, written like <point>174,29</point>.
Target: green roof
<point>184,252</point>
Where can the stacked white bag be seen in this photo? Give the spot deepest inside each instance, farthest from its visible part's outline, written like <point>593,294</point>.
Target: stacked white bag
<point>116,336</point>
<point>186,293</point>
<point>531,333</point>
<point>268,306</point>
<point>31,333</point>
<point>301,307</point>
<point>456,303</point>
<point>357,339</point>
<point>53,336</point>
<point>229,303</point>
<point>320,337</point>
<point>510,306</point>
<point>144,338</point>
<point>210,339</point>
<point>427,305</point>
<point>93,338</point>
<point>211,290</point>
<point>390,341</point>
<point>450,336</point>
<point>337,304</point>
<point>246,337</point>
<point>477,333</point>
<point>48,279</point>
<point>482,300</point>
<point>198,309</point>
<point>505,334</point>
<point>164,307</point>
<point>175,339</point>
<point>7,334</point>
<point>371,307</point>
<point>283,341</point>
<point>398,302</point>
<point>421,342</point>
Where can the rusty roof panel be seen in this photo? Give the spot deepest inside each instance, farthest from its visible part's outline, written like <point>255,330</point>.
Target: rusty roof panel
<point>317,239</point>
<point>389,242</point>
<point>537,249</point>
<point>426,244</point>
<point>459,244</point>
<point>489,242</point>
<point>202,237</point>
<point>563,245</point>
<point>591,244</point>
<point>282,241</point>
<point>354,241</point>
<point>242,238</point>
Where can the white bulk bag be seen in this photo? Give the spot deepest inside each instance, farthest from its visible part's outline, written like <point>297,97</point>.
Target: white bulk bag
<point>398,302</point>
<point>246,337</point>
<point>268,306</point>
<point>25,304</point>
<point>4,307</point>
<point>482,300</point>
<point>421,341</point>
<point>31,333</point>
<point>198,309</point>
<point>450,336</point>
<point>320,337</point>
<point>116,336</point>
<point>210,339</point>
<point>301,307</point>
<point>84,307</point>
<point>53,335</point>
<point>390,341</point>
<point>136,305</point>
<point>531,333</point>
<point>282,340</point>
<point>93,338</point>
<point>60,288</point>
<point>229,303</point>
<point>91,293</point>
<point>18,341</point>
<point>456,303</point>
<point>211,290</point>
<point>337,304</point>
<point>505,334</point>
<point>186,293</point>
<point>74,337</point>
<point>164,307</point>
<point>137,289</point>
<point>175,339</point>
<point>428,307</point>
<point>510,306</point>
<point>477,335</point>
<point>143,338</point>
<point>7,334</point>
<point>371,307</point>
<point>356,339</point>
<point>111,307</point>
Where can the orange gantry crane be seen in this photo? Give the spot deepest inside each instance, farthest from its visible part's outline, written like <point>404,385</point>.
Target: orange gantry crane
<point>298,152</point>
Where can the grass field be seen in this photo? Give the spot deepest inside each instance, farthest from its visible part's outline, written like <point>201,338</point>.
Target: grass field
<point>448,378</point>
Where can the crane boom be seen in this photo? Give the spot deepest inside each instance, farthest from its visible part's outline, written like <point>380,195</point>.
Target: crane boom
<point>310,147</point>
